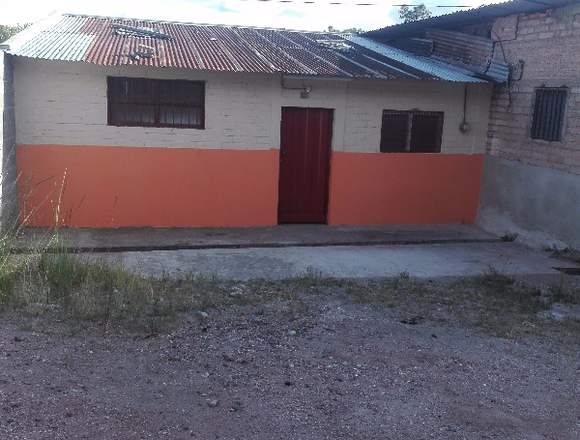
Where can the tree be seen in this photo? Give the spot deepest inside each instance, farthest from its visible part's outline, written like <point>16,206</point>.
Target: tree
<point>7,31</point>
<point>352,30</point>
<point>414,13</point>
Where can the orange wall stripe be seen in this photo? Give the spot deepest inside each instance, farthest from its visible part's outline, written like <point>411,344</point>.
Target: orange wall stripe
<point>102,186</point>
<point>391,188</point>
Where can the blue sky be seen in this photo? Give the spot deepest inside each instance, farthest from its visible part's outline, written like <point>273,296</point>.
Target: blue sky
<point>295,15</point>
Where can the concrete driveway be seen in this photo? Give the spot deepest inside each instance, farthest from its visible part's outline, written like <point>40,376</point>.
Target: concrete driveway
<point>419,260</point>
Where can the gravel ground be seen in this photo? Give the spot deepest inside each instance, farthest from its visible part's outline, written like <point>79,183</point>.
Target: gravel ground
<point>331,369</point>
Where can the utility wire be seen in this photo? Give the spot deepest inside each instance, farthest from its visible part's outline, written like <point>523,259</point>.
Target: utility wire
<point>336,3</point>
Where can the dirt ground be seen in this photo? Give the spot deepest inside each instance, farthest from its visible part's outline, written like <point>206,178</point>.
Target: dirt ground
<point>324,363</point>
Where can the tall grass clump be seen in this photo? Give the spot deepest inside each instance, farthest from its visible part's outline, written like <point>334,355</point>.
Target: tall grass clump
<point>82,288</point>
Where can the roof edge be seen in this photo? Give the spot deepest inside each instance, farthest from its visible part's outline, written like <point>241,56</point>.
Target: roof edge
<point>17,41</point>
<point>191,23</point>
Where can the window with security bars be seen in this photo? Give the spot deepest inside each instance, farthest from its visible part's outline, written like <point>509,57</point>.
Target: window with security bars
<point>140,102</point>
<point>548,118</point>
<point>411,131</point>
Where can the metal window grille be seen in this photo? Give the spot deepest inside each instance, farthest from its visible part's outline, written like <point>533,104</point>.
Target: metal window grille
<point>548,118</point>
<point>156,103</point>
<point>411,131</point>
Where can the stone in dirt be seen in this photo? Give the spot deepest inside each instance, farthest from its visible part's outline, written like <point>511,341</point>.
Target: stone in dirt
<point>212,403</point>
<point>413,320</point>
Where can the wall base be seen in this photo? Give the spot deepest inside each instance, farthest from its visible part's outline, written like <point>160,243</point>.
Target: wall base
<point>391,188</point>
<point>111,187</point>
<point>540,205</point>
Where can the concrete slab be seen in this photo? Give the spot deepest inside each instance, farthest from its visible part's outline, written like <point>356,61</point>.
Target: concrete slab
<point>422,261</point>
<point>137,239</point>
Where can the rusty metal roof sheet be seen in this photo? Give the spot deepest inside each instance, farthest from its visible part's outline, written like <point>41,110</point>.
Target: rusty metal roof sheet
<point>118,41</point>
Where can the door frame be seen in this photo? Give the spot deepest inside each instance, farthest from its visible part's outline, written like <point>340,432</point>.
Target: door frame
<point>328,166</point>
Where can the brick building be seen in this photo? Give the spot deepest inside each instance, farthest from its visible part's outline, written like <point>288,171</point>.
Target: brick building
<point>120,122</point>
<point>229,147</point>
<point>531,183</point>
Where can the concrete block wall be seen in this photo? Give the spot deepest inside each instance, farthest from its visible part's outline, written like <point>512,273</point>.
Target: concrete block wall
<point>9,205</point>
<point>66,104</point>
<point>547,43</point>
<point>227,173</point>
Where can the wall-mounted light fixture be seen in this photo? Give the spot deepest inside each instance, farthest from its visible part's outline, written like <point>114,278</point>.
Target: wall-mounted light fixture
<point>304,89</point>
<point>305,93</point>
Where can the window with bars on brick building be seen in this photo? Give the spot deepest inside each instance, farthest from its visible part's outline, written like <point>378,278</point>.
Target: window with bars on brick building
<point>411,131</point>
<point>144,102</point>
<point>548,113</point>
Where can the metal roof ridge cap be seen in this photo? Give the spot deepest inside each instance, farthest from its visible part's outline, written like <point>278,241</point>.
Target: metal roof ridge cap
<point>17,41</point>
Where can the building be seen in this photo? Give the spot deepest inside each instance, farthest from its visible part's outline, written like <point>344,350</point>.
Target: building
<point>531,183</point>
<point>119,123</point>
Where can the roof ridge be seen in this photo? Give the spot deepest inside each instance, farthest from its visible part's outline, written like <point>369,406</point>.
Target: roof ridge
<point>190,23</point>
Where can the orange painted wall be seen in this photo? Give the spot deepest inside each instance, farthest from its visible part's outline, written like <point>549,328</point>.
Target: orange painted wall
<point>134,186</point>
<point>379,188</point>
<point>106,187</point>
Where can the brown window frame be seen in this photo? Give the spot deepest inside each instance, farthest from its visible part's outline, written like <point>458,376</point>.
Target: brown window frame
<point>155,102</point>
<point>549,114</point>
<point>408,135</point>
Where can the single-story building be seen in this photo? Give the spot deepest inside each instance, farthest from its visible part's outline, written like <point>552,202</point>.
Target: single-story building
<point>114,122</point>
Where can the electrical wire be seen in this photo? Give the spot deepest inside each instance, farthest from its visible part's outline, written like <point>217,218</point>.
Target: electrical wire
<point>338,3</point>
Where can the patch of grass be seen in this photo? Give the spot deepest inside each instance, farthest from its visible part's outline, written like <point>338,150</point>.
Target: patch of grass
<point>492,302</point>
<point>311,277</point>
<point>79,289</point>
<point>563,292</point>
<point>494,280</point>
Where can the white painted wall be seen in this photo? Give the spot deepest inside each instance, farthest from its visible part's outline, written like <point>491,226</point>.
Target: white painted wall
<point>2,103</point>
<point>66,103</point>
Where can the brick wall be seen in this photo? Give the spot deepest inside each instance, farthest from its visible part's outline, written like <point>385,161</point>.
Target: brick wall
<point>66,104</point>
<point>549,45</point>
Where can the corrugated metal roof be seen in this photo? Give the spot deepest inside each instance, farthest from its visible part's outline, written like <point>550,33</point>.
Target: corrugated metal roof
<point>433,67</point>
<point>99,40</point>
<point>468,16</point>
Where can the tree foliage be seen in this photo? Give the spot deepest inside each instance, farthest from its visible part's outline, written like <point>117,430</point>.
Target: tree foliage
<point>414,13</point>
<point>7,31</point>
<point>352,30</point>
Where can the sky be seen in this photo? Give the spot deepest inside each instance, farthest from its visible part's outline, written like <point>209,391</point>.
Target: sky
<point>290,14</point>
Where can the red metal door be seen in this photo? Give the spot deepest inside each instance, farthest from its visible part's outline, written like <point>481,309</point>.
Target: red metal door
<point>304,164</point>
